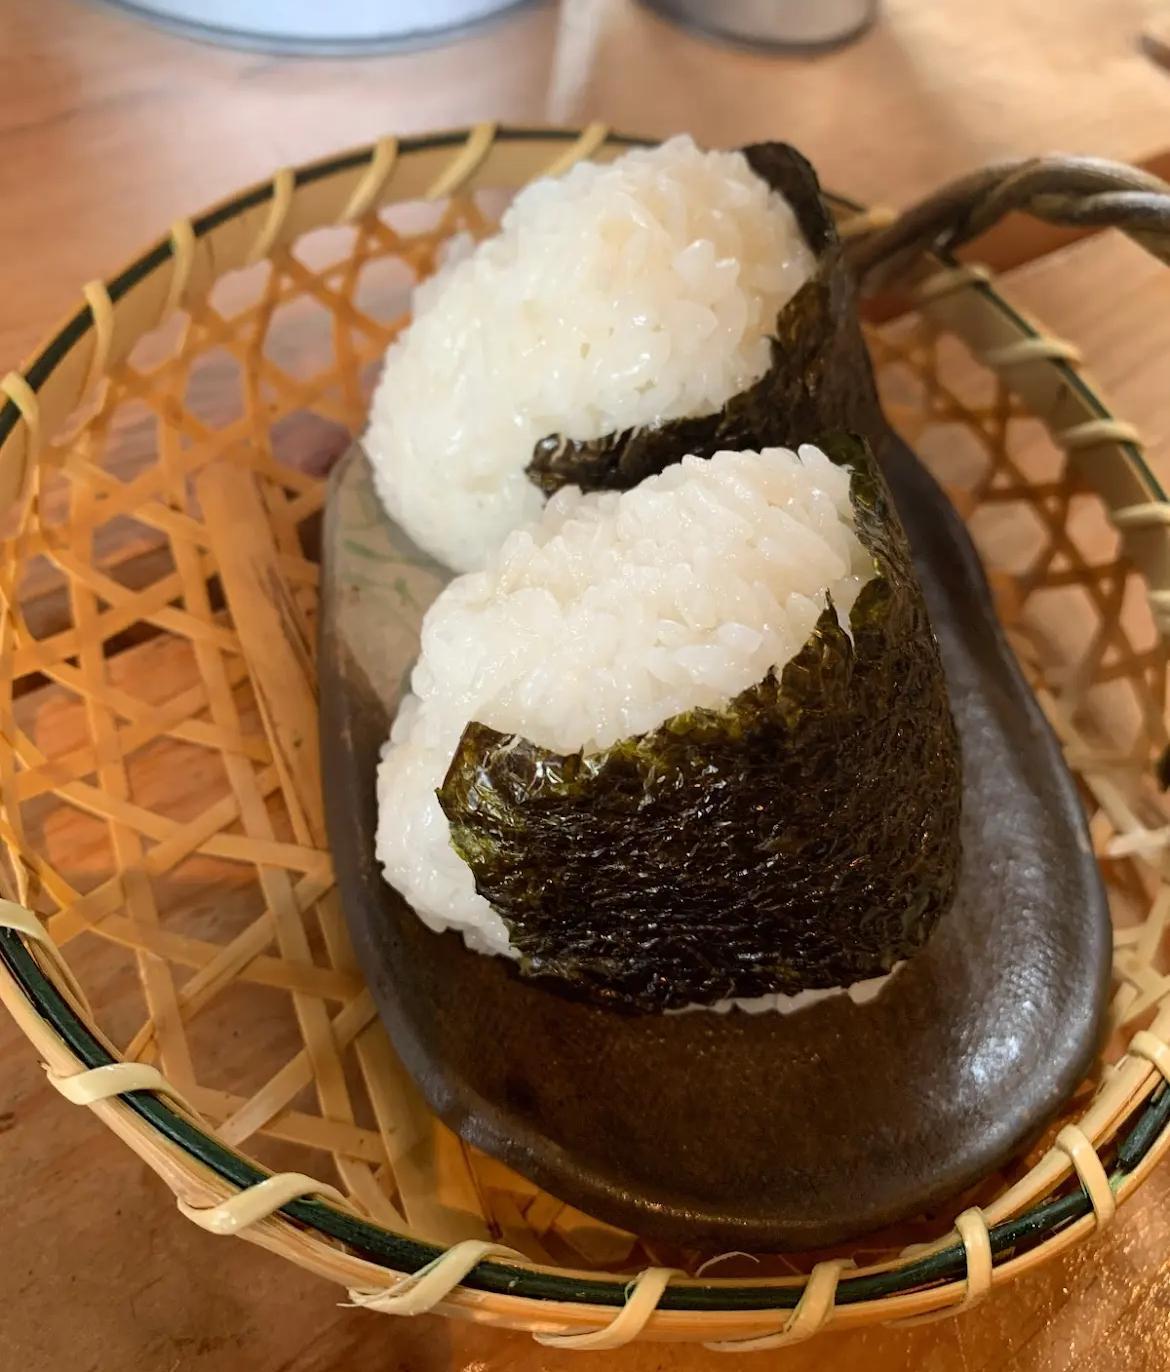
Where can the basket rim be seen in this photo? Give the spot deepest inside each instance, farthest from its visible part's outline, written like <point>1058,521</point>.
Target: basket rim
<point>402,1253</point>
<point>1148,1128</point>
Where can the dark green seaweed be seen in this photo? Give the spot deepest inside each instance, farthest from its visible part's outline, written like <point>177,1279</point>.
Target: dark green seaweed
<point>807,835</point>
<point>820,379</point>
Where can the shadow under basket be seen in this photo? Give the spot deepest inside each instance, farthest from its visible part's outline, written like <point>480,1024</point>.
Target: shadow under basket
<point>162,466</point>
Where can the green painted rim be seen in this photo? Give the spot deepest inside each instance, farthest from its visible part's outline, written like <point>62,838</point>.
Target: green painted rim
<point>398,1253</point>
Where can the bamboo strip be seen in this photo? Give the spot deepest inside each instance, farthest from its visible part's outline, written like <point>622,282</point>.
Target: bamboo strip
<point>257,595</point>
<point>158,983</point>
<point>285,687</point>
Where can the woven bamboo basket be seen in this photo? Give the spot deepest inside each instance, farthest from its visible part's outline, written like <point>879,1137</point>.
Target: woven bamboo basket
<point>159,814</point>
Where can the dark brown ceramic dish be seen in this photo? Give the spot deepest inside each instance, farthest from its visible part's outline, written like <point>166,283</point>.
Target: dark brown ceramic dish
<point>734,1130</point>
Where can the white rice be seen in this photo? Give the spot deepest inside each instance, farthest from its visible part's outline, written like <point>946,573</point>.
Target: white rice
<point>859,992</point>
<point>611,298</point>
<point>601,621</point>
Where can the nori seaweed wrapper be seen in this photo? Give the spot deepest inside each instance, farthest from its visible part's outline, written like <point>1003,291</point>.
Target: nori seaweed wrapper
<point>820,379</point>
<point>807,835</point>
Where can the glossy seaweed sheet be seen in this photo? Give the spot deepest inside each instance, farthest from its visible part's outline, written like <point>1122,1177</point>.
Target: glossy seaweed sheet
<point>807,835</point>
<point>819,380</point>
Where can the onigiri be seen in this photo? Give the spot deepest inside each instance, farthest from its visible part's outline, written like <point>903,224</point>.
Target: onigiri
<point>640,740</point>
<point>616,297</point>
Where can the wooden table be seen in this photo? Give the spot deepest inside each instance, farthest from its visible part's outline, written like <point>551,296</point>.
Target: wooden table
<point>111,130</point>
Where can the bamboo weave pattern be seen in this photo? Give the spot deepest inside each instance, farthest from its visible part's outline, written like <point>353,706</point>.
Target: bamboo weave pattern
<point>172,852</point>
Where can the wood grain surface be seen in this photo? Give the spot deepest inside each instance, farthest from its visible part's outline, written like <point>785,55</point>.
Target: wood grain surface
<point>111,130</point>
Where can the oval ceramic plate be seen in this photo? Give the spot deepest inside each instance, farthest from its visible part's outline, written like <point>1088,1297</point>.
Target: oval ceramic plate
<point>743,1130</point>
